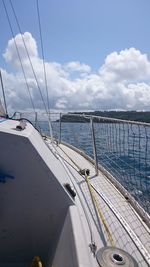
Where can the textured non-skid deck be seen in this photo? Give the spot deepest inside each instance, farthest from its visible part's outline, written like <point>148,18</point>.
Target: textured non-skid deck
<point>127,229</point>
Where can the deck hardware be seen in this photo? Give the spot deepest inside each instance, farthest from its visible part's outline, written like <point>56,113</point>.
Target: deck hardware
<point>87,172</point>
<point>70,190</point>
<point>21,126</point>
<point>111,257</point>
<point>118,259</point>
<point>84,171</point>
<point>93,248</point>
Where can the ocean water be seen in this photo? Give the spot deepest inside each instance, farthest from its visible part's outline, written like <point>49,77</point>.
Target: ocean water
<point>122,149</point>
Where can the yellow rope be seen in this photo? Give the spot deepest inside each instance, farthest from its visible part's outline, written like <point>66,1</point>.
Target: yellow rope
<point>36,261</point>
<point>100,213</point>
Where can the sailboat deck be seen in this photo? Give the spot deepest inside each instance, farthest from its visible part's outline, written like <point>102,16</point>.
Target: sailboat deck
<point>128,230</point>
<point>56,165</point>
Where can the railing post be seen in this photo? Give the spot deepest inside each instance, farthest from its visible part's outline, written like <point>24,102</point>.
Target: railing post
<point>60,128</point>
<point>36,119</point>
<point>94,146</point>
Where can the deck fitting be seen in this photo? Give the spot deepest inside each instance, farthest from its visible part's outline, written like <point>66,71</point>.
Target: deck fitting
<point>111,256</point>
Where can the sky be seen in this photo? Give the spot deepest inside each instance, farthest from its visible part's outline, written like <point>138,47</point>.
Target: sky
<point>96,54</point>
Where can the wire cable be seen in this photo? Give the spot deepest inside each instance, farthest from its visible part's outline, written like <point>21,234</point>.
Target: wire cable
<point>12,32</point>
<point>44,67</point>
<point>24,43</point>
<point>43,56</point>
<point>33,71</point>
<point>3,91</point>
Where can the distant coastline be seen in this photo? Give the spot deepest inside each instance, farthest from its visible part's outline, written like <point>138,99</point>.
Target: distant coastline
<point>141,116</point>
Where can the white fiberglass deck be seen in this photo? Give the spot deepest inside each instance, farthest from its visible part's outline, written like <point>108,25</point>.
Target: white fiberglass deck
<point>128,230</point>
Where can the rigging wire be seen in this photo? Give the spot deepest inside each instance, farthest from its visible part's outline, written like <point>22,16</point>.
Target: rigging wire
<point>24,43</point>
<point>44,67</point>
<point>23,71</point>
<point>33,71</point>
<point>43,56</point>
<point>3,91</point>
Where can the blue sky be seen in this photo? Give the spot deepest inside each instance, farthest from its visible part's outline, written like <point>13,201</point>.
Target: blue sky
<point>85,31</point>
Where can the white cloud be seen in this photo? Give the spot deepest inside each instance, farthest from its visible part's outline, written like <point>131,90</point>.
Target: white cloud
<point>16,49</point>
<point>128,65</point>
<point>137,96</point>
<point>123,82</point>
<point>76,66</point>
